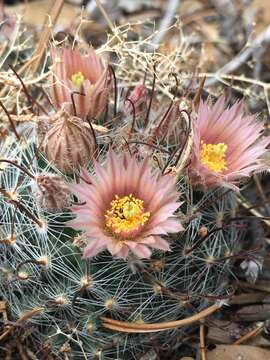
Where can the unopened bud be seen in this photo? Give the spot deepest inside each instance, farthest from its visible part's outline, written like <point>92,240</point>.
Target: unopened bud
<point>137,97</point>
<point>69,144</point>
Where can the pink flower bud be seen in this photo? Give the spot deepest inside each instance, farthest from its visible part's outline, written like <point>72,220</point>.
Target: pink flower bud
<point>137,97</point>
<point>81,75</point>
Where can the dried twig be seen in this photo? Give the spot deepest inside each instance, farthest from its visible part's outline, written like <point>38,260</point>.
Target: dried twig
<point>25,316</point>
<point>202,341</point>
<point>247,205</point>
<point>49,24</point>
<point>171,7</point>
<point>243,56</point>
<point>132,327</point>
<point>250,334</point>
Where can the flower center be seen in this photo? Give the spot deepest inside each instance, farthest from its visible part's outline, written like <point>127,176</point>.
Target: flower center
<point>126,214</point>
<point>77,78</point>
<point>213,156</point>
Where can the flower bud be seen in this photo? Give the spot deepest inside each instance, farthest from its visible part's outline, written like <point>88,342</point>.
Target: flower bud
<point>137,97</point>
<point>82,75</point>
<point>69,144</point>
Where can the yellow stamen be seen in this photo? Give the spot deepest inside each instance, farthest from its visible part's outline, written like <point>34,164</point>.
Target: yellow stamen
<point>213,156</point>
<point>126,214</point>
<point>77,78</point>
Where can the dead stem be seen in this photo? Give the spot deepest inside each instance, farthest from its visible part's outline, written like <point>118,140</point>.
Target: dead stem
<point>24,317</point>
<point>29,97</point>
<point>19,167</point>
<point>250,334</point>
<point>10,121</point>
<point>131,327</point>
<point>247,205</point>
<point>202,341</point>
<point>45,35</point>
<point>133,117</point>
<point>151,98</point>
<point>115,91</point>
<point>21,207</point>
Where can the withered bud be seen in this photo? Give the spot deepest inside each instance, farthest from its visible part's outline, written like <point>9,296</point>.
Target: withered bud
<point>69,144</point>
<point>203,231</point>
<point>43,125</point>
<point>138,97</point>
<point>52,192</point>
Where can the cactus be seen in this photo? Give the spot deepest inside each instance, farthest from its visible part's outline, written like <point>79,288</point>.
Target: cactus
<point>42,268</point>
<point>56,299</point>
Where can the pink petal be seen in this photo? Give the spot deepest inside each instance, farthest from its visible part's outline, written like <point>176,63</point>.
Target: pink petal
<point>92,249</point>
<point>141,251</point>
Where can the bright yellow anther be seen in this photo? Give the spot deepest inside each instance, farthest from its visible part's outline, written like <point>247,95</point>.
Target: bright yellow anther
<point>77,78</point>
<point>213,156</point>
<point>126,214</point>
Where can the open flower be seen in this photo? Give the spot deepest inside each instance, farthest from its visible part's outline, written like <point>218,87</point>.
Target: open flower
<point>81,75</point>
<point>227,145</point>
<point>126,207</point>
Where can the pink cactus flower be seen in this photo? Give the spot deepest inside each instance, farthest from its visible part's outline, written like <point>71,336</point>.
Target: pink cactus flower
<point>227,145</point>
<point>85,74</point>
<point>126,207</point>
<point>138,98</point>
